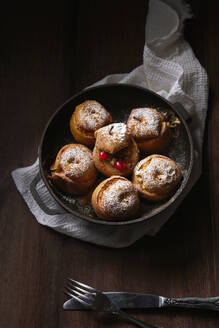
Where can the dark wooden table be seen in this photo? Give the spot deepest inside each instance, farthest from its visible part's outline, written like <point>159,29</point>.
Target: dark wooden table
<point>48,52</point>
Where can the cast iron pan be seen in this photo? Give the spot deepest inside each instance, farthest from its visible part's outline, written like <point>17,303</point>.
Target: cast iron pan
<point>119,100</point>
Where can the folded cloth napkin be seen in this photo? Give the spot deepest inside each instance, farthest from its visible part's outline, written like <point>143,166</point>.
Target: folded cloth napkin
<point>169,68</point>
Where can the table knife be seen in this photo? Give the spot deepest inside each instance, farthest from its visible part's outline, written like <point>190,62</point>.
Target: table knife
<point>142,301</point>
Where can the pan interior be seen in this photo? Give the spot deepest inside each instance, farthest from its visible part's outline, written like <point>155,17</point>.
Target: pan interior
<point>119,100</point>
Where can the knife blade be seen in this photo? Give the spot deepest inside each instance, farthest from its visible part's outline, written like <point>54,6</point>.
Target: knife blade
<point>125,300</point>
<point>122,300</point>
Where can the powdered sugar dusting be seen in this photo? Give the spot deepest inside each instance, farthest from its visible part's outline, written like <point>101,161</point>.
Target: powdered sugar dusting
<point>75,161</point>
<point>113,137</point>
<point>144,122</point>
<point>93,115</point>
<point>119,198</point>
<point>160,173</point>
<point>117,132</point>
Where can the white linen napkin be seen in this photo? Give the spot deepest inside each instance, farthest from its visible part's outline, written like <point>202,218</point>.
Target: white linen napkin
<point>169,68</point>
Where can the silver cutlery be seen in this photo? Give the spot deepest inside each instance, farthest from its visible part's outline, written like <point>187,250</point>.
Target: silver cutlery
<point>125,300</point>
<point>97,301</point>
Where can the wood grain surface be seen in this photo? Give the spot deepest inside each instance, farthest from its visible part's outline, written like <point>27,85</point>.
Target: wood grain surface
<point>49,51</point>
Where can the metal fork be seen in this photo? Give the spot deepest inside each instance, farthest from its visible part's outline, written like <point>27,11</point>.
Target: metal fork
<point>98,301</point>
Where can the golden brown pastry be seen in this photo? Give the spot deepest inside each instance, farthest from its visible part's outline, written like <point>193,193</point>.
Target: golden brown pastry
<point>74,171</point>
<point>156,177</point>
<point>115,199</point>
<point>86,119</point>
<point>149,129</point>
<point>115,151</point>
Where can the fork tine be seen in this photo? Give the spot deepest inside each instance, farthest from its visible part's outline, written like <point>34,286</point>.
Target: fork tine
<point>74,288</point>
<point>82,285</point>
<point>78,299</point>
<point>68,294</point>
<point>86,297</point>
<point>71,291</point>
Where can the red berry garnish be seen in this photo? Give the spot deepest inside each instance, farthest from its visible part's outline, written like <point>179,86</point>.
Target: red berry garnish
<point>120,165</point>
<point>103,155</point>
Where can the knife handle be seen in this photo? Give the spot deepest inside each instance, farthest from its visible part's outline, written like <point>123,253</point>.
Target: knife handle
<point>192,303</point>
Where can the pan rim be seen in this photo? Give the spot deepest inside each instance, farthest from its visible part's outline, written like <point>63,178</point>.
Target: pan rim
<point>157,211</point>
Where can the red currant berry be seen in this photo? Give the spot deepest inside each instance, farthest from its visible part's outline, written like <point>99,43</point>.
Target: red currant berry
<point>103,155</point>
<point>120,165</point>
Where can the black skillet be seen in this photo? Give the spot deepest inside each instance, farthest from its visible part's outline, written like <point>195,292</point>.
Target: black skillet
<point>118,99</point>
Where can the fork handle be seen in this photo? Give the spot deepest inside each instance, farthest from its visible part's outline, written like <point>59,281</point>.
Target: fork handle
<point>137,322</point>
